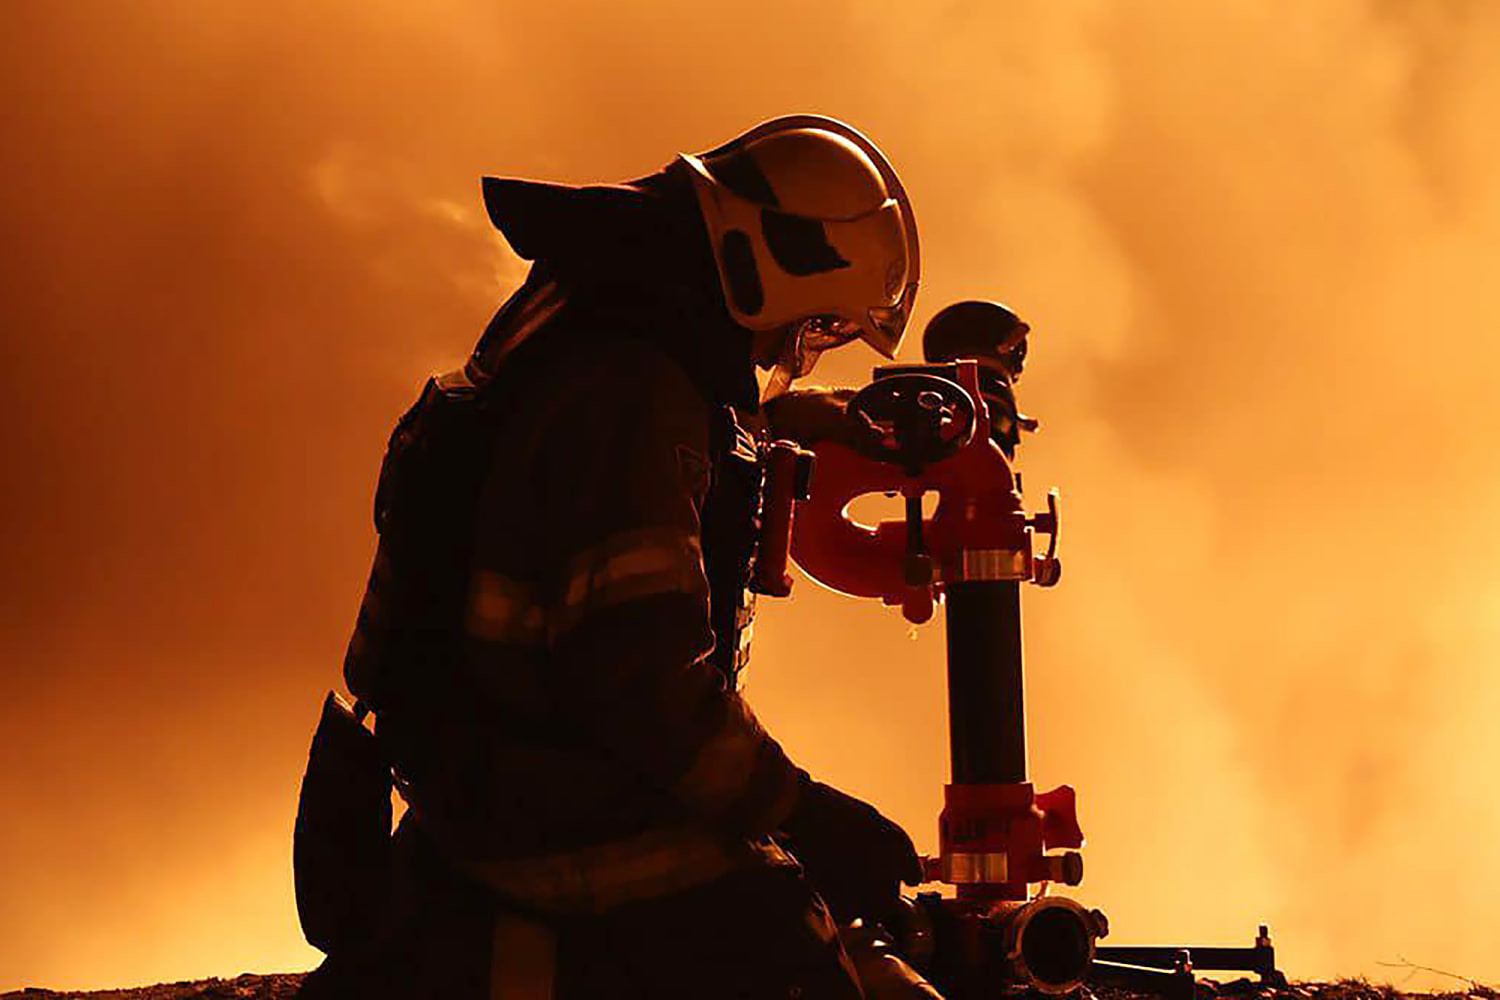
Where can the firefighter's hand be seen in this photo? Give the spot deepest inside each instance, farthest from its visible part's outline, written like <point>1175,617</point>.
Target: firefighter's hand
<point>855,857</point>
<point>808,416</point>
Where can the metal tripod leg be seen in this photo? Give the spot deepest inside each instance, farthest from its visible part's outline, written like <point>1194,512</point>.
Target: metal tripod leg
<point>1142,963</point>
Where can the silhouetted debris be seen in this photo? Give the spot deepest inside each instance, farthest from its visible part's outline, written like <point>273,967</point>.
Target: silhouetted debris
<point>284,987</point>
<point>280,986</point>
<point>1343,989</point>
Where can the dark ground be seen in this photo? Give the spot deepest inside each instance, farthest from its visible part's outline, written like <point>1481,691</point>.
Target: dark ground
<point>284,987</point>
<point>246,987</point>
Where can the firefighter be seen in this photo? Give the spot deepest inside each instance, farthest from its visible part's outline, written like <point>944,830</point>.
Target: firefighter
<point>555,626</point>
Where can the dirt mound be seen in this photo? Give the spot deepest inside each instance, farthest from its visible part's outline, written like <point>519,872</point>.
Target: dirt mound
<point>280,986</point>
<point>284,986</point>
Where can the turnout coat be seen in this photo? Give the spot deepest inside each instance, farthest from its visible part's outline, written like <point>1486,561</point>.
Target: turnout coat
<point>550,641</point>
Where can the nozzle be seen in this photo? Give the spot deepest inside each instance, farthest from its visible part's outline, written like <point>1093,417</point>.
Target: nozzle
<point>1048,943</point>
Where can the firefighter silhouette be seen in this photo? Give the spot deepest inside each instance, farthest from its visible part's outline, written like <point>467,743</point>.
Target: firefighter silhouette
<point>554,628</point>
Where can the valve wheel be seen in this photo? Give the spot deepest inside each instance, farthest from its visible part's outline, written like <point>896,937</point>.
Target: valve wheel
<point>912,419</point>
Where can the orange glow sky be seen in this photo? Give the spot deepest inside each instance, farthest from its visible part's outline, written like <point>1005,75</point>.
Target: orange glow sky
<point>1258,244</point>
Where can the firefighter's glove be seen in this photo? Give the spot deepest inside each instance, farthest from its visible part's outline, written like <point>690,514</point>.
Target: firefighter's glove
<point>808,416</point>
<point>853,856</point>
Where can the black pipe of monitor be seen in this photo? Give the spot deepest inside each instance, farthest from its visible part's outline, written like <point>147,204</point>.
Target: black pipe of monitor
<point>986,704</point>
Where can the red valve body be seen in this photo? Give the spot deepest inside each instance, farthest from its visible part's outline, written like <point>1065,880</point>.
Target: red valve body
<point>978,531</point>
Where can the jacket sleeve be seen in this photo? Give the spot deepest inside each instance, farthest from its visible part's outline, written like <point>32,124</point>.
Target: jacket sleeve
<point>623,480</point>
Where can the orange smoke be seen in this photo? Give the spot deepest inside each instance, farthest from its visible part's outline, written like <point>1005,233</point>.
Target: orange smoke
<point>1255,242</point>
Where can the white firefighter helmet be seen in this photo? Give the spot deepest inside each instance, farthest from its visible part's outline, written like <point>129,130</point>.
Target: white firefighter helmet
<point>808,220</point>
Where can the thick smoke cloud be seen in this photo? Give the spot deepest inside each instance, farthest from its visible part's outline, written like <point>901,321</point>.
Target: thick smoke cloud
<point>1255,241</point>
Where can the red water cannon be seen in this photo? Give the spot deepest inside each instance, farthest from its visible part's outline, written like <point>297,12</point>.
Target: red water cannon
<point>926,429</point>
<point>921,429</point>
<point>950,429</point>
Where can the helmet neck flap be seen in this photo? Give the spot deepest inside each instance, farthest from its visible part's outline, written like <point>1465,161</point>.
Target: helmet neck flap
<point>628,259</point>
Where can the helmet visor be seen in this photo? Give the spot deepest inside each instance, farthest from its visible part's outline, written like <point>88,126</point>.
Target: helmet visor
<point>888,323</point>
<point>879,288</point>
<point>813,336</point>
<point>804,345</point>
